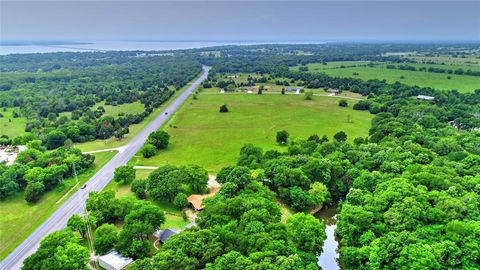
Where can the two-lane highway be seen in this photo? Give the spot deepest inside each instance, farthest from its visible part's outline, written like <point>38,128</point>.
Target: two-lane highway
<point>75,204</point>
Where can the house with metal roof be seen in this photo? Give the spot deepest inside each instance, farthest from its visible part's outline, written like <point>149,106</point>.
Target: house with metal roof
<point>114,261</point>
<point>423,97</point>
<point>167,233</point>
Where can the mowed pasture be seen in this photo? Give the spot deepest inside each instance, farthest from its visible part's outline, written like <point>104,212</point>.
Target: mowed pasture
<point>441,81</point>
<point>127,108</point>
<point>11,126</point>
<point>471,60</point>
<point>18,219</point>
<point>200,134</point>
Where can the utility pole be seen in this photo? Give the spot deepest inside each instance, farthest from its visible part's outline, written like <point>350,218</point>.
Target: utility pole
<point>90,239</point>
<point>75,172</point>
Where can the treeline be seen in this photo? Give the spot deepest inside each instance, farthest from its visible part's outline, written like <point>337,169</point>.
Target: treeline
<point>37,171</point>
<point>410,189</point>
<point>66,249</point>
<point>451,105</point>
<point>264,58</point>
<point>240,228</point>
<point>83,80</point>
<point>458,71</point>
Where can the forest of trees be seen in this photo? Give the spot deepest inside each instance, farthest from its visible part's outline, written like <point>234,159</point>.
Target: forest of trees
<point>37,170</point>
<point>42,86</point>
<point>409,193</point>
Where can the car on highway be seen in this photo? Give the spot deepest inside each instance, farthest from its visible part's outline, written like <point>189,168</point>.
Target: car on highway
<point>84,186</point>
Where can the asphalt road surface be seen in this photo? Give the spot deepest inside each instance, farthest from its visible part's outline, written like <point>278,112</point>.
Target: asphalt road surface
<point>76,203</point>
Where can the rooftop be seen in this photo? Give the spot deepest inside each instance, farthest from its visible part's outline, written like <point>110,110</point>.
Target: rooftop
<point>425,97</point>
<point>167,233</point>
<point>115,259</point>
<point>196,199</point>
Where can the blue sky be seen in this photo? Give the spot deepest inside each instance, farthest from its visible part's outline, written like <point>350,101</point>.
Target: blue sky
<point>244,20</point>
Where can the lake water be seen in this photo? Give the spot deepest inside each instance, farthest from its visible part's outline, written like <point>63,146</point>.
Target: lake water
<point>131,45</point>
<point>328,260</point>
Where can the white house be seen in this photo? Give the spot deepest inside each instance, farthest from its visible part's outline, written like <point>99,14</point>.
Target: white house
<point>422,97</point>
<point>114,261</point>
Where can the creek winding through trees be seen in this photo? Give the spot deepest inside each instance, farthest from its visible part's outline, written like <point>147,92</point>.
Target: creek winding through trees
<point>328,259</point>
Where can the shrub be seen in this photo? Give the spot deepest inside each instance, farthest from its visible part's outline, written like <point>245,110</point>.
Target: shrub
<point>362,105</point>
<point>148,150</point>
<point>282,136</point>
<point>224,108</point>
<point>309,95</point>
<point>139,187</point>
<point>180,201</point>
<point>159,139</point>
<point>343,103</point>
<point>340,136</point>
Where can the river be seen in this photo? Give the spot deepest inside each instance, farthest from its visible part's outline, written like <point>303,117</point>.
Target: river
<point>328,260</point>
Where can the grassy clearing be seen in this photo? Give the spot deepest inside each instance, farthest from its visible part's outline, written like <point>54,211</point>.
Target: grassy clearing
<point>18,219</point>
<point>213,140</point>
<point>132,108</point>
<point>10,126</point>
<point>462,83</point>
<point>173,216</point>
<point>473,60</point>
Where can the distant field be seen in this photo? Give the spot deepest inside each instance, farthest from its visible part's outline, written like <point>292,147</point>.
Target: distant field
<point>10,126</point>
<point>173,216</point>
<point>469,60</point>
<point>206,137</point>
<point>462,83</point>
<point>132,108</point>
<point>13,127</point>
<point>18,219</point>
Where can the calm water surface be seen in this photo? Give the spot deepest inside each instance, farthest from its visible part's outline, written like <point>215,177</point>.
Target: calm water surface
<point>131,45</point>
<point>328,260</point>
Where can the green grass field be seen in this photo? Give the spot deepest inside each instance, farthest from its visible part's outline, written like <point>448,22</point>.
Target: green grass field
<point>462,83</point>
<point>18,219</point>
<point>133,108</point>
<point>206,137</point>
<point>10,126</point>
<point>472,60</point>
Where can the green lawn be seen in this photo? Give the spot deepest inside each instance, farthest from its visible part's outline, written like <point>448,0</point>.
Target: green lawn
<point>10,126</point>
<point>18,218</point>
<point>206,137</point>
<point>132,108</point>
<point>462,83</point>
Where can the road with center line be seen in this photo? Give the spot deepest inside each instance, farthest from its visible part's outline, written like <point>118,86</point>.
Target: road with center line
<point>76,203</point>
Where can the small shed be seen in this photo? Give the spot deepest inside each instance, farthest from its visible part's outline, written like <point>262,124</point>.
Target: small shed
<point>167,233</point>
<point>190,225</point>
<point>293,89</point>
<point>195,201</point>
<point>333,91</point>
<point>114,261</point>
<point>423,97</point>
